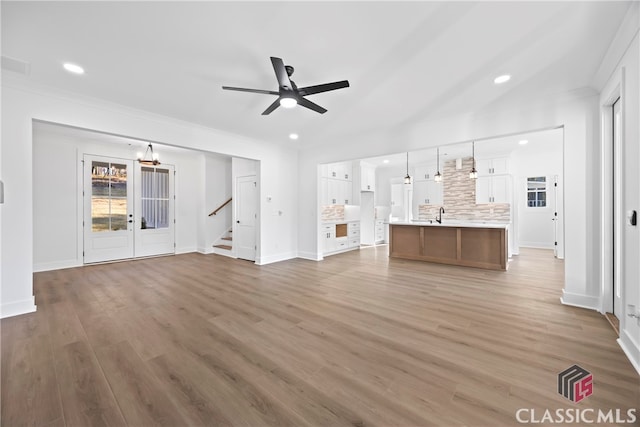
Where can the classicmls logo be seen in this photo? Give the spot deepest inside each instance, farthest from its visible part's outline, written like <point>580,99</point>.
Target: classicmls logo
<point>575,383</point>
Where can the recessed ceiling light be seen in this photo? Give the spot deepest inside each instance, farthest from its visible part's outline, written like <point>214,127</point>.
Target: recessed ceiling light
<point>502,79</point>
<point>293,136</point>
<point>73,68</point>
<point>523,142</point>
<point>385,161</point>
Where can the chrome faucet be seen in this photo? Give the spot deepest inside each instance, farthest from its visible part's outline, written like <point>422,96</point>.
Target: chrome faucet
<point>439,217</point>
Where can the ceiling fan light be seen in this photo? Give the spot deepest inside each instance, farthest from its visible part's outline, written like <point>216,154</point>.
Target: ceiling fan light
<point>288,102</point>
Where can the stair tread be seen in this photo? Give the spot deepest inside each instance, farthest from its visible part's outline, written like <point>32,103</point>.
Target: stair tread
<point>227,238</point>
<point>227,247</point>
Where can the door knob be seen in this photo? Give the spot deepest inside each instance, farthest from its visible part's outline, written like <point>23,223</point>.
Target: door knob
<point>130,220</point>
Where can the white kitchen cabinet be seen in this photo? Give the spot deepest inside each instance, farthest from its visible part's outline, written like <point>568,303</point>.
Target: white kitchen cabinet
<point>379,231</point>
<point>367,177</point>
<point>489,167</point>
<point>397,200</point>
<point>353,234</point>
<point>493,189</point>
<point>341,171</point>
<point>328,237</point>
<point>425,172</point>
<point>336,192</point>
<point>347,238</point>
<point>426,193</point>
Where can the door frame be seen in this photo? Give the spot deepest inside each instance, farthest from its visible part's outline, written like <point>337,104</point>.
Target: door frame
<point>611,242</point>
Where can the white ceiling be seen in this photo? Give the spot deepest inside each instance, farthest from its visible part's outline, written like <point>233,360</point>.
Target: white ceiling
<point>406,61</point>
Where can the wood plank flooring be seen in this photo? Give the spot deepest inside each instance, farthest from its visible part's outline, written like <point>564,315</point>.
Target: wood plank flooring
<point>355,340</point>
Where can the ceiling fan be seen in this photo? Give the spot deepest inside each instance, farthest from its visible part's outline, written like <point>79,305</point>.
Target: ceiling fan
<point>289,95</point>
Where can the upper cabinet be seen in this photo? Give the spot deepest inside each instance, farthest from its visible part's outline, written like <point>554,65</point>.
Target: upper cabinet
<point>425,172</point>
<point>337,184</point>
<point>342,171</point>
<point>367,177</point>
<point>497,166</point>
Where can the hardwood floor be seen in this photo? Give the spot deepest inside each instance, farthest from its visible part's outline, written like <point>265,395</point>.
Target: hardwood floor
<point>357,339</point>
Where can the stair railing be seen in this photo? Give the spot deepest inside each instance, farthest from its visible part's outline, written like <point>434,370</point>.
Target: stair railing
<point>220,207</point>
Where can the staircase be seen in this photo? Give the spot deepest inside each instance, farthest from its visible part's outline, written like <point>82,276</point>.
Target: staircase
<point>224,245</point>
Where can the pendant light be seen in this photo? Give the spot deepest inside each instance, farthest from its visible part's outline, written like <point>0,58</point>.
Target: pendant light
<point>438,176</point>
<point>407,179</point>
<point>474,173</point>
<point>153,160</point>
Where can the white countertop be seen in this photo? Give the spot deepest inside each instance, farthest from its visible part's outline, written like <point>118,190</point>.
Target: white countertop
<point>453,223</point>
<point>340,221</point>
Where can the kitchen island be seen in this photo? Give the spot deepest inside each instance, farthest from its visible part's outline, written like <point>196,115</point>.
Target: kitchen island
<point>481,245</point>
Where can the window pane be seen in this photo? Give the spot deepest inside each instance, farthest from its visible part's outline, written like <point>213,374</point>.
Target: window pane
<point>155,198</point>
<point>108,196</point>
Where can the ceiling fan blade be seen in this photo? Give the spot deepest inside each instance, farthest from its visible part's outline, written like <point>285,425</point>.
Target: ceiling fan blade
<point>271,107</point>
<point>309,90</point>
<point>310,105</point>
<point>281,73</point>
<point>242,89</point>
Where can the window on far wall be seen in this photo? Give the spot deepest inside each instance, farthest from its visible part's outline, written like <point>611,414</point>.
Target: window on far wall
<point>537,192</point>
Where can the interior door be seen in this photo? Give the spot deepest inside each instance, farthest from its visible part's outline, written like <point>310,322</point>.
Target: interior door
<point>244,232</point>
<point>154,210</point>
<point>108,209</point>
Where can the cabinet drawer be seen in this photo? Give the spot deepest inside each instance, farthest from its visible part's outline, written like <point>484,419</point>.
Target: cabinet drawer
<point>354,226</point>
<point>354,242</point>
<point>342,244</point>
<point>354,233</point>
<point>328,227</point>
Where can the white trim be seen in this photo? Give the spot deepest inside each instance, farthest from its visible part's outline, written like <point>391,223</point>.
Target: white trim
<point>56,265</point>
<point>185,250</point>
<point>205,251</point>
<point>630,348</point>
<point>311,256</point>
<point>583,301</point>
<point>536,245</point>
<point>275,258</point>
<point>607,238</point>
<point>17,308</point>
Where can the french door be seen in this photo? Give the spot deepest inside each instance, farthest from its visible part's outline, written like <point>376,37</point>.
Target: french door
<point>108,209</point>
<point>128,209</point>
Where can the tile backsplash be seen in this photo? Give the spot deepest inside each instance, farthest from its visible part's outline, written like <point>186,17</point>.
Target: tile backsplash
<point>460,197</point>
<point>332,213</point>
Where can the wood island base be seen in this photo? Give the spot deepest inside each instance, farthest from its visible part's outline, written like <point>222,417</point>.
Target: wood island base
<point>456,245</point>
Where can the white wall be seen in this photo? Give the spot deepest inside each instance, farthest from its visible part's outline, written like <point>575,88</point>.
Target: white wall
<point>23,102</point>
<point>384,176</point>
<point>542,158</point>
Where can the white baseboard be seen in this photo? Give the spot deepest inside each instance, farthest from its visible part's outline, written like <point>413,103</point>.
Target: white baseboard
<point>275,258</point>
<point>57,265</point>
<point>17,308</point>
<point>223,252</point>
<point>312,256</point>
<point>536,245</point>
<point>186,250</point>
<point>631,349</point>
<point>579,300</point>
<point>205,251</point>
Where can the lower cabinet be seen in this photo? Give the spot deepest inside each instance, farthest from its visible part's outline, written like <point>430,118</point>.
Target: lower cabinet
<point>379,231</point>
<point>340,237</point>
